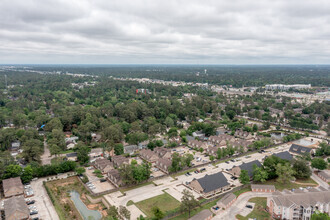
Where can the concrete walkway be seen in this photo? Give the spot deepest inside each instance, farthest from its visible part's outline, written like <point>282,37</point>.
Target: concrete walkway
<point>319,181</point>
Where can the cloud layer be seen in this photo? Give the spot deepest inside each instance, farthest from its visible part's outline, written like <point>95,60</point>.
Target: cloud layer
<point>152,31</point>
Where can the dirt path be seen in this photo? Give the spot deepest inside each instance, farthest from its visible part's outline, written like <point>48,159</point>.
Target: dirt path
<point>46,157</point>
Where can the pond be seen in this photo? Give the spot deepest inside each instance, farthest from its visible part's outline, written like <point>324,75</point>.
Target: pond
<point>86,213</point>
<point>278,136</point>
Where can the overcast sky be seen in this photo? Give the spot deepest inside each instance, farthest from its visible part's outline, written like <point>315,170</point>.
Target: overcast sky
<point>165,31</point>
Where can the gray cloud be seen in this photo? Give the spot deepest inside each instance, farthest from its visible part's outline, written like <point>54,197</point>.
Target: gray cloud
<point>152,31</point>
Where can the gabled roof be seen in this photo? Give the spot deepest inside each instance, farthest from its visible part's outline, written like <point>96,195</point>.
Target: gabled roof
<point>206,213</point>
<point>212,182</point>
<point>302,199</point>
<point>284,155</point>
<point>249,166</point>
<point>12,186</point>
<point>16,208</point>
<point>298,149</point>
<point>227,199</point>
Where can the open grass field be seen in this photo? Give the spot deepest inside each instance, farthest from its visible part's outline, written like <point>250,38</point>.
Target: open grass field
<point>164,202</point>
<point>259,211</point>
<point>306,181</point>
<point>289,185</point>
<point>239,192</point>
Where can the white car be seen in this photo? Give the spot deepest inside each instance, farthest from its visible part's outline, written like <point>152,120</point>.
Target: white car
<point>32,207</point>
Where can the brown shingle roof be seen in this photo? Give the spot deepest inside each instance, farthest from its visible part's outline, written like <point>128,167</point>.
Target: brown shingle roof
<point>227,199</point>
<point>16,208</point>
<point>206,213</point>
<point>12,187</point>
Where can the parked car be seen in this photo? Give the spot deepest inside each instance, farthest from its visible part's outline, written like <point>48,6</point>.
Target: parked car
<point>249,206</point>
<point>201,170</point>
<point>103,180</point>
<point>30,202</point>
<point>227,162</point>
<point>215,208</point>
<point>34,212</point>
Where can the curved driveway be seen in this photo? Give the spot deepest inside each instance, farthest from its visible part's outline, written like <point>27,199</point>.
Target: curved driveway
<point>238,206</point>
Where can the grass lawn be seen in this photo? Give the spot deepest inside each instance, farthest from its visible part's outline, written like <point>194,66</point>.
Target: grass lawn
<point>183,172</point>
<point>289,185</point>
<point>185,216</point>
<point>66,151</point>
<point>306,181</point>
<point>239,192</point>
<point>165,202</point>
<point>56,160</point>
<point>259,211</point>
<point>136,186</point>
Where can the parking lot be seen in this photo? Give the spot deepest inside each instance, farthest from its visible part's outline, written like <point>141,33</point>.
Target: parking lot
<point>97,186</point>
<point>42,202</point>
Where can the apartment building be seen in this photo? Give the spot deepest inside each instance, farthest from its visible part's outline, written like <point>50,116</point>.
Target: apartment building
<point>298,204</point>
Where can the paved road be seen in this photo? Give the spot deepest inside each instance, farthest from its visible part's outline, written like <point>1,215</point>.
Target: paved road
<point>239,205</point>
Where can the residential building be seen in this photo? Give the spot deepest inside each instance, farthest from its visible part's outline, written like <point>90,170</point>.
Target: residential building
<point>143,145</point>
<point>149,155</point>
<point>236,170</point>
<point>285,155</point>
<point>15,146</point>
<point>287,87</point>
<point>198,134</point>
<point>262,188</point>
<point>114,177</point>
<point>241,143</point>
<point>210,184</point>
<point>130,149</point>
<point>206,214</point>
<point>96,152</point>
<point>226,201</point>
<point>72,156</point>
<point>96,137</point>
<point>244,135</point>
<point>104,165</point>
<point>197,144</point>
<point>324,175</point>
<point>163,152</point>
<point>12,187</point>
<point>16,209</point>
<point>164,164</point>
<point>301,150</point>
<point>298,205</point>
<point>119,160</point>
<point>213,150</point>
